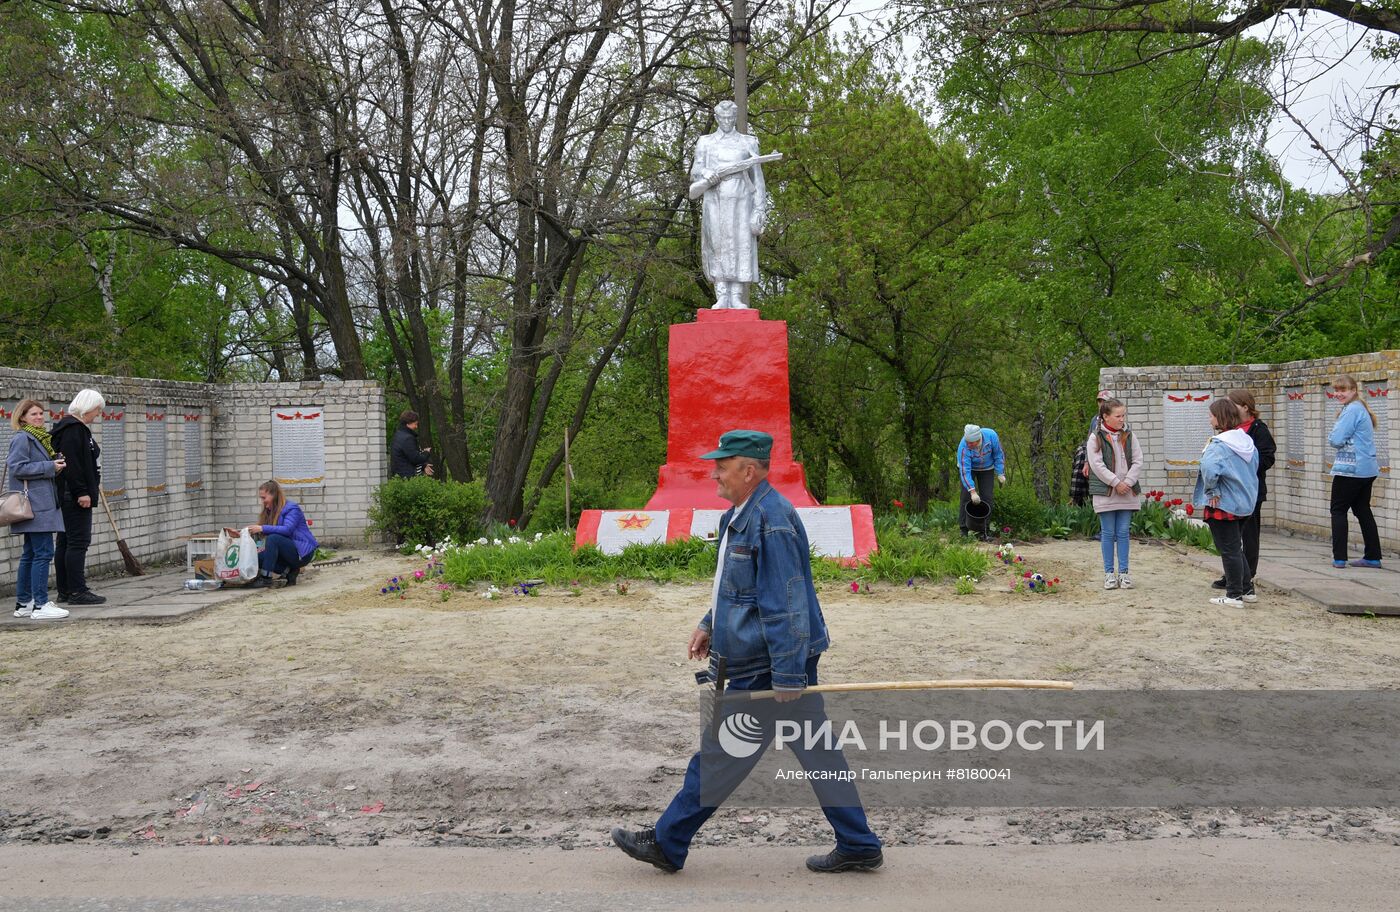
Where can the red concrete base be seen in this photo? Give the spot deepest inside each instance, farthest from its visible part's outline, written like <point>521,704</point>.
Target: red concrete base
<point>728,370</point>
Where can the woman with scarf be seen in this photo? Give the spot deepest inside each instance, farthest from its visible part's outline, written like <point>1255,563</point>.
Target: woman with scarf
<point>1226,491</point>
<point>1115,461</point>
<point>31,466</point>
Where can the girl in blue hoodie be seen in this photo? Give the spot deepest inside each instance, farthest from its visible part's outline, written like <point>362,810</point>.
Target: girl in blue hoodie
<point>1225,494</point>
<point>1354,471</point>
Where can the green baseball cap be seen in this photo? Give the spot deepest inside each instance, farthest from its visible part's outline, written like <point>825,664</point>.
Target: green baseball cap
<point>754,444</point>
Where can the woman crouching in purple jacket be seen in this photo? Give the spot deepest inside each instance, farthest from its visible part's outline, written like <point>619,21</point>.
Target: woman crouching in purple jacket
<point>290,544</point>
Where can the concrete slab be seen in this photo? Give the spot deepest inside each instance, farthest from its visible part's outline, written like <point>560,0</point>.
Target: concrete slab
<point>1303,566</point>
<point>158,597</point>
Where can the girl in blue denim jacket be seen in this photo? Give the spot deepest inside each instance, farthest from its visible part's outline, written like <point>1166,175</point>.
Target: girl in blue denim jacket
<point>1226,490</point>
<point>1354,471</point>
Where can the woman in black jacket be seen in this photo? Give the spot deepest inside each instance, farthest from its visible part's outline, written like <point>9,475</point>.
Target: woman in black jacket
<point>405,458</point>
<point>79,489</point>
<point>1258,431</point>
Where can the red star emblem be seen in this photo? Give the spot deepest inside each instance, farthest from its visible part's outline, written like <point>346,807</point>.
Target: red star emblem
<point>633,521</point>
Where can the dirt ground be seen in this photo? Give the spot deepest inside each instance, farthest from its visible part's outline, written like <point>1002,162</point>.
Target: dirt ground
<point>333,714</point>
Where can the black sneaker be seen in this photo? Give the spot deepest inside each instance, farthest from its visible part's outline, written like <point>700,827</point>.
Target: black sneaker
<point>292,575</point>
<point>642,846</point>
<point>1218,584</point>
<point>62,597</point>
<point>87,597</point>
<point>836,861</point>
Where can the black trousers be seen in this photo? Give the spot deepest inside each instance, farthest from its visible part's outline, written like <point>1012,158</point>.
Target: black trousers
<point>1230,544</point>
<point>70,553</point>
<point>1249,531</point>
<point>1353,494</point>
<point>986,480</point>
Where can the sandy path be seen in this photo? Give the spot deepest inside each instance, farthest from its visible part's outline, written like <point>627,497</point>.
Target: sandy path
<point>544,719</point>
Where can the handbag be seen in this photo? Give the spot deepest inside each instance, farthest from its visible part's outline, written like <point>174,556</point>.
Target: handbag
<point>14,505</point>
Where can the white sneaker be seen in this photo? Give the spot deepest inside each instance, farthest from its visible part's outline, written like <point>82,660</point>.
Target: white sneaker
<point>24,610</point>
<point>1124,582</point>
<point>1110,581</point>
<point>1227,601</point>
<point>1250,597</point>
<point>48,612</point>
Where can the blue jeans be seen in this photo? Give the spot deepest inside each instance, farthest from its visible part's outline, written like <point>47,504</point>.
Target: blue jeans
<point>279,554</point>
<point>1115,526</point>
<point>33,582</point>
<point>685,815</point>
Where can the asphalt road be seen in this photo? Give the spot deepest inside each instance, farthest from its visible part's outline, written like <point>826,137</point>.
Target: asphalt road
<point>1232,875</point>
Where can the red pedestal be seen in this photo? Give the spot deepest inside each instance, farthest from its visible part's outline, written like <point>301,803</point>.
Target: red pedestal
<point>728,369</point>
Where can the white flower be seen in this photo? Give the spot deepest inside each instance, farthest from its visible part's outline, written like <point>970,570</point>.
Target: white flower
<point>481,541</point>
<point>539,535</point>
<point>496,542</point>
<point>514,539</point>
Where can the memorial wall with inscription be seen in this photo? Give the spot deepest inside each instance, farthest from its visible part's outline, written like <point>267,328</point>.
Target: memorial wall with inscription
<point>180,459</point>
<point>1169,406</point>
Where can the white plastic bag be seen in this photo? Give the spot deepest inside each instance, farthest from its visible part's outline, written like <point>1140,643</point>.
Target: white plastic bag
<point>247,556</point>
<point>236,559</point>
<point>226,557</point>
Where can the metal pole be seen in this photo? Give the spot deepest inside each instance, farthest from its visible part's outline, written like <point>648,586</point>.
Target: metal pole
<point>568,470</point>
<point>739,38</point>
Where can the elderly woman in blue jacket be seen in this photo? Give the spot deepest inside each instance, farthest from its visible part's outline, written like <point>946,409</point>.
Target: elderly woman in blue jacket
<point>1354,471</point>
<point>289,543</point>
<point>31,465</point>
<point>980,462</point>
<point>1226,490</point>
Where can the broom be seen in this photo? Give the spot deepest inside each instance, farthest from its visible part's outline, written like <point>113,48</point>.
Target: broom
<point>133,566</point>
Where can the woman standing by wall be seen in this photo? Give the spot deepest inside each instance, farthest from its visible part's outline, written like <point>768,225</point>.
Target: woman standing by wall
<point>31,466</point>
<point>1258,431</point>
<point>79,490</point>
<point>1354,471</point>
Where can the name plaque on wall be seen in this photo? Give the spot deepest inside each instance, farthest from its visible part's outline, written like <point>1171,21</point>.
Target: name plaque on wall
<point>299,446</point>
<point>1185,425</point>
<point>1376,394</point>
<point>194,451</point>
<point>112,433</point>
<point>155,450</point>
<point>1295,446</point>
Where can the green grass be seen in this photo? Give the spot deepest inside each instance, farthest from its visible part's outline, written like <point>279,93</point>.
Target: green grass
<point>554,560</point>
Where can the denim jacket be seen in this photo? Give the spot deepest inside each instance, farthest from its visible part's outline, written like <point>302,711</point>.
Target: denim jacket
<point>1227,475</point>
<point>767,618</point>
<point>1354,438</point>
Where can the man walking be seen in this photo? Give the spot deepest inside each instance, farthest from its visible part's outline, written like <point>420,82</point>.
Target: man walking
<point>766,627</point>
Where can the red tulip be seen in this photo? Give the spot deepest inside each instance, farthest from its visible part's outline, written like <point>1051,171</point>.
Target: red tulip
<point>898,503</point>
<point>1190,510</point>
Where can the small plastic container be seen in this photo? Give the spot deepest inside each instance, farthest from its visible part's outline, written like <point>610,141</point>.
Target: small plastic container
<point>203,585</point>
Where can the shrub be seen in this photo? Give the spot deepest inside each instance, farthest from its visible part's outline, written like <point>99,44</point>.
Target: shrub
<point>1017,507</point>
<point>424,511</point>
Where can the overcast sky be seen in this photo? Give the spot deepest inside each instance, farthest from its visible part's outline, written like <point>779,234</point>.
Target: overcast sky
<point>1332,77</point>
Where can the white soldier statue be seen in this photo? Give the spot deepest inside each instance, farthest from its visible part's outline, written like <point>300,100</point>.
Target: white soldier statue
<point>728,171</point>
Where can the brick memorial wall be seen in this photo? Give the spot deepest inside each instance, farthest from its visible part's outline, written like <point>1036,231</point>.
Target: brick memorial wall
<point>179,459</point>
<point>1167,407</point>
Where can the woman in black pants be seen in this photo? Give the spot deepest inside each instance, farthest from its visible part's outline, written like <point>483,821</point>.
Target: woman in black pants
<point>79,489</point>
<point>1258,431</point>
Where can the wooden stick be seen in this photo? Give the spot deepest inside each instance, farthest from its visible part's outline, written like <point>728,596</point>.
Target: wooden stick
<point>946,684</point>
